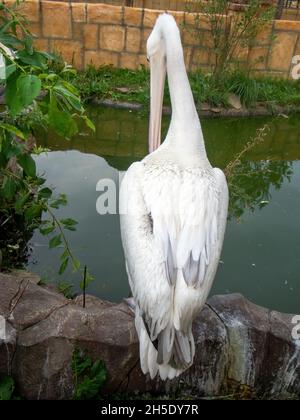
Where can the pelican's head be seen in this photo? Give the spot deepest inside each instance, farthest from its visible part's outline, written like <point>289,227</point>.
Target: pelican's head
<point>156,55</point>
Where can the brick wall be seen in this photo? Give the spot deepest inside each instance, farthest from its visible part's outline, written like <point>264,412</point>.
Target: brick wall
<point>96,33</point>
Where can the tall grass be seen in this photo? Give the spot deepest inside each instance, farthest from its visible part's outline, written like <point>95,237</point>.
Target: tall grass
<point>107,82</point>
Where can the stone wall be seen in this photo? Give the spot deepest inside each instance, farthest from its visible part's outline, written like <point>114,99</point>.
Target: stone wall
<point>241,348</point>
<point>96,33</point>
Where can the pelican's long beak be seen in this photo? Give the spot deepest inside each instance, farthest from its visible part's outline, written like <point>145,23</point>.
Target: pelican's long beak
<point>157,83</point>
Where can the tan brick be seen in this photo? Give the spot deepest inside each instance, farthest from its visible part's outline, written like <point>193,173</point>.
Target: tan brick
<point>56,19</point>
<point>150,17</point>
<point>35,29</point>
<point>265,35</point>
<point>287,25</point>
<point>71,51</point>
<point>129,61</point>
<point>206,40</point>
<point>132,16</point>
<point>190,37</point>
<point>90,36</point>
<point>187,52</point>
<point>133,39</point>
<point>201,56</point>
<point>241,54</point>
<point>282,51</point>
<point>195,67</point>
<point>79,12</point>
<point>112,37</point>
<point>190,18</point>
<point>100,58</point>
<point>276,74</point>
<point>212,58</point>
<point>202,21</point>
<point>41,44</point>
<point>31,10</point>
<point>145,36</point>
<point>77,29</point>
<point>104,13</point>
<point>149,4</point>
<point>297,51</point>
<point>258,57</point>
<point>179,17</point>
<point>138,3</point>
<point>142,60</point>
<point>9,3</point>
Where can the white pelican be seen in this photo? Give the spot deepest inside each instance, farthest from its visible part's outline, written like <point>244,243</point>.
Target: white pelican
<point>174,207</point>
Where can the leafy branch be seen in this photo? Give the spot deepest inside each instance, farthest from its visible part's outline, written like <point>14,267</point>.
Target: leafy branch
<point>38,94</point>
<point>88,376</point>
<point>260,136</point>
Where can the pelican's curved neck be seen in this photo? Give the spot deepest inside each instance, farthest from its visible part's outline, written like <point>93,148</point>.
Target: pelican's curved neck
<point>185,129</point>
<point>180,91</point>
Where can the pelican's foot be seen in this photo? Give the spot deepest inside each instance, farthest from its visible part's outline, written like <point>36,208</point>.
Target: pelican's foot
<point>131,304</point>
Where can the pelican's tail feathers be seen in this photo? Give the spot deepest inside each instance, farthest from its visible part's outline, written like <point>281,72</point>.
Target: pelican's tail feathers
<point>148,353</point>
<point>169,355</point>
<point>183,349</point>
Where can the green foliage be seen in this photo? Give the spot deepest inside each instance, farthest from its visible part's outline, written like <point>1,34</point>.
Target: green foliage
<point>230,31</point>
<point>279,91</point>
<point>7,387</point>
<point>108,82</point>
<point>204,86</point>
<point>88,376</point>
<point>244,86</point>
<point>66,289</point>
<point>38,94</point>
<point>249,182</point>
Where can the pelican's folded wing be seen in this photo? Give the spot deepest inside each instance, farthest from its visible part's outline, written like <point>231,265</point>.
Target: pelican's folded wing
<point>187,207</point>
<point>144,257</point>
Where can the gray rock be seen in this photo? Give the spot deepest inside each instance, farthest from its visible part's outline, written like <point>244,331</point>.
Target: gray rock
<point>238,345</point>
<point>8,339</point>
<point>234,101</point>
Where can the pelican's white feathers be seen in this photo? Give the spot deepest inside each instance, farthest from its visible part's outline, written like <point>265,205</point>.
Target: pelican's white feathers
<point>172,236</point>
<point>174,207</point>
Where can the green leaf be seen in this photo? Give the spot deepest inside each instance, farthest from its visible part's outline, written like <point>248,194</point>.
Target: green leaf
<point>55,241</point>
<point>33,212</point>
<point>69,224</point>
<point>62,123</point>
<point>63,266</point>
<point>35,59</point>
<point>89,123</point>
<point>65,254</point>
<point>6,388</point>
<point>12,129</point>
<point>88,279</point>
<point>45,193</point>
<point>66,94</point>
<point>76,264</point>
<point>9,40</point>
<point>89,377</point>
<point>28,165</point>
<point>12,98</point>
<point>29,87</point>
<point>9,70</point>
<point>60,201</point>
<point>47,228</point>
<point>9,187</point>
<point>20,202</point>
<point>28,44</point>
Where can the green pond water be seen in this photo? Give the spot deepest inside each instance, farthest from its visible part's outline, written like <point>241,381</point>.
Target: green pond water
<point>261,253</point>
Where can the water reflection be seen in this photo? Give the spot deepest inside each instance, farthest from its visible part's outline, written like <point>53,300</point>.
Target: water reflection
<point>250,184</point>
<point>260,254</point>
